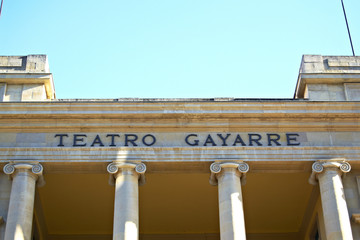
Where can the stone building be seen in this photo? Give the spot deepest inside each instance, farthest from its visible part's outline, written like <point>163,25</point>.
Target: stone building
<point>180,169</point>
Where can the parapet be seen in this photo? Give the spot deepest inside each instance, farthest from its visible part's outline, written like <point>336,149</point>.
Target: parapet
<point>329,78</point>
<point>25,78</point>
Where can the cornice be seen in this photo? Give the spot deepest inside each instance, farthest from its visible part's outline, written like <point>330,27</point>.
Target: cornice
<point>223,109</point>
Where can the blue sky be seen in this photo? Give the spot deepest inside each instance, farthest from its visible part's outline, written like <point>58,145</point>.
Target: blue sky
<point>177,48</point>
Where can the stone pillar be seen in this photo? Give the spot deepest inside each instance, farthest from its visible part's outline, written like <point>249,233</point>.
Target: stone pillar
<point>21,206</point>
<point>126,208</point>
<point>227,177</point>
<point>336,216</point>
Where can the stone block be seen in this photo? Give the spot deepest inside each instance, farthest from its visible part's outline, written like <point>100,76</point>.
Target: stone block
<point>30,63</point>
<point>342,138</point>
<point>13,92</point>
<point>336,92</point>
<point>29,139</point>
<point>317,87</point>
<point>37,63</point>
<point>319,138</point>
<point>312,63</point>
<point>352,91</point>
<point>7,138</point>
<point>10,61</point>
<point>356,138</point>
<point>319,95</point>
<point>342,61</point>
<point>33,92</point>
<point>325,92</point>
<point>25,92</point>
<point>312,58</point>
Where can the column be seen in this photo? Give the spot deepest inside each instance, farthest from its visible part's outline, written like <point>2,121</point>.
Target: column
<point>21,206</point>
<point>126,208</point>
<point>336,216</point>
<point>228,178</point>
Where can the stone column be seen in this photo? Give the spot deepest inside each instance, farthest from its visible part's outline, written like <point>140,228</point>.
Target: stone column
<point>336,216</point>
<point>21,206</point>
<point>227,177</point>
<point>126,208</point>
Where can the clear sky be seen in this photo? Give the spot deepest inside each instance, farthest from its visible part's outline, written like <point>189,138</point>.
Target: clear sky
<point>177,48</point>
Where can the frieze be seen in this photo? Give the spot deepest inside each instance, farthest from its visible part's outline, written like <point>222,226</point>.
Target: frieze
<point>190,139</point>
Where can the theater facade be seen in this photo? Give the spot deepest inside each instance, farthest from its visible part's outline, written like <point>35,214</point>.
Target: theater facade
<point>180,169</point>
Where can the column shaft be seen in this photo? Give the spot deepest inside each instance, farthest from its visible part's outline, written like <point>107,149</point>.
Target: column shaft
<point>126,209</point>
<point>336,216</point>
<point>231,213</point>
<point>21,206</point>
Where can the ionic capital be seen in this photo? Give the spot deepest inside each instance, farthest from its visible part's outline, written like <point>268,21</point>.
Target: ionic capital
<point>138,168</point>
<point>321,166</point>
<point>217,168</point>
<point>36,170</point>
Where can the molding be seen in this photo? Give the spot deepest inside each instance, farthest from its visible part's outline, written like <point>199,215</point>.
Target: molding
<point>173,167</point>
<point>179,154</point>
<point>112,109</point>
<point>200,115</point>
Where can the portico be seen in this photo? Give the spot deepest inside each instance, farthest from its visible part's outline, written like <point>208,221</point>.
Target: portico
<point>59,213</point>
